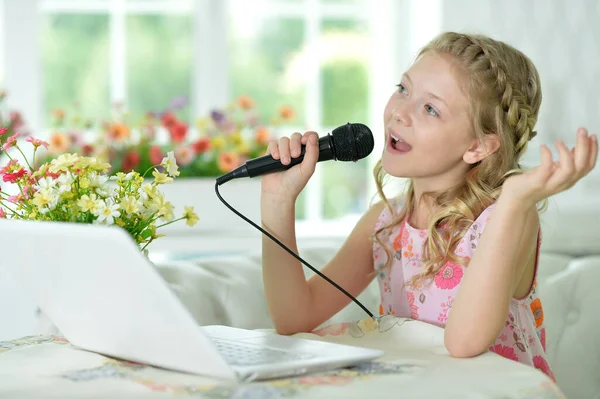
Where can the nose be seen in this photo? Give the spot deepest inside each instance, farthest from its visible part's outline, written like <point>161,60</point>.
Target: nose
<point>401,114</point>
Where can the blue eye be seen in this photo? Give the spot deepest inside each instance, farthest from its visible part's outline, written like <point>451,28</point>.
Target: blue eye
<point>430,110</point>
<point>401,88</point>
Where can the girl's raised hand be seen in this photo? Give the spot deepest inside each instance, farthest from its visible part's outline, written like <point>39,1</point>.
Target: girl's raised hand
<point>552,177</point>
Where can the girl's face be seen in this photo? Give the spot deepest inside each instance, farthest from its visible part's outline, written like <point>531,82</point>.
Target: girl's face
<point>428,131</point>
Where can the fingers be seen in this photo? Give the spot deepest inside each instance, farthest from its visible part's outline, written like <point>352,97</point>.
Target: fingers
<point>295,145</point>
<point>284,150</point>
<point>581,152</point>
<point>547,167</point>
<point>311,157</point>
<point>287,148</point>
<point>593,152</point>
<point>273,149</point>
<point>565,174</point>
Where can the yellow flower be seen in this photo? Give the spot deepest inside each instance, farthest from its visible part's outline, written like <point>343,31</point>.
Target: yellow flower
<point>191,218</point>
<point>43,198</point>
<point>202,124</point>
<point>161,178</point>
<point>84,183</point>
<point>167,211</point>
<point>63,162</point>
<point>170,164</point>
<point>218,142</point>
<point>98,164</point>
<point>236,138</point>
<point>88,203</point>
<point>149,191</point>
<point>130,205</point>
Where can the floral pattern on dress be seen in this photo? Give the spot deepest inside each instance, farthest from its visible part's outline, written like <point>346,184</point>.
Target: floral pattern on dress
<point>523,337</point>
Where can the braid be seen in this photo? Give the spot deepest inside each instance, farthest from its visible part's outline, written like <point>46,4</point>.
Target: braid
<point>514,105</point>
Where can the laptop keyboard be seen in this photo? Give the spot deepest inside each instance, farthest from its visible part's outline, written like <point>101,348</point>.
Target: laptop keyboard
<point>238,353</point>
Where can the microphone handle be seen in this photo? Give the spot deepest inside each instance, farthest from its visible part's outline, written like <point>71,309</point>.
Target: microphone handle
<point>267,164</point>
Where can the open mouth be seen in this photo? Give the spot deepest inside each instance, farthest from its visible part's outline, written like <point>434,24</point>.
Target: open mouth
<point>398,144</point>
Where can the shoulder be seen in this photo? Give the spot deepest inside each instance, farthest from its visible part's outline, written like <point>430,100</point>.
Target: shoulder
<point>386,212</point>
<point>530,231</point>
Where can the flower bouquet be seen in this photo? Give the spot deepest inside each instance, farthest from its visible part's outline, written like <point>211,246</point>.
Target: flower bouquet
<point>78,189</point>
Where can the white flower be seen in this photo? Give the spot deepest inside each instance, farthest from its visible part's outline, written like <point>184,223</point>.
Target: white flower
<point>104,191</point>
<point>64,181</point>
<point>97,180</point>
<point>170,164</point>
<point>45,183</point>
<point>106,212</point>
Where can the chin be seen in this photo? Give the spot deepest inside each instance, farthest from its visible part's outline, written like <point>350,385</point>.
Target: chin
<point>393,168</point>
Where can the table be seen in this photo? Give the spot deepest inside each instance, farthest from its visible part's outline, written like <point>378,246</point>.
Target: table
<point>416,365</point>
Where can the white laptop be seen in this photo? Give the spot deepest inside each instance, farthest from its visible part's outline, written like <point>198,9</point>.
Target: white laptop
<point>105,296</point>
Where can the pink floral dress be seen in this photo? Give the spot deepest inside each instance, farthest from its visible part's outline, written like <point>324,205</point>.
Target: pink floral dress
<point>523,337</point>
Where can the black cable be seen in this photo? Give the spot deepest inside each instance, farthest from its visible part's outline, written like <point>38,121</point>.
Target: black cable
<point>292,253</point>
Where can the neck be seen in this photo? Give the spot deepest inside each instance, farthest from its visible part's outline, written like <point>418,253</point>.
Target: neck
<point>425,205</point>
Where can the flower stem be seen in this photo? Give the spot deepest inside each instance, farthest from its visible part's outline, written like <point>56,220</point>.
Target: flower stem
<point>168,223</point>
<point>148,243</point>
<point>24,157</point>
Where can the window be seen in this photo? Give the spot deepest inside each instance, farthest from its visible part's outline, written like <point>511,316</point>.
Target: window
<point>313,55</point>
<point>75,54</point>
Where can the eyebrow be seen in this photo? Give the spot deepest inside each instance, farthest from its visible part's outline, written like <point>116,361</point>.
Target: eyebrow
<point>431,95</point>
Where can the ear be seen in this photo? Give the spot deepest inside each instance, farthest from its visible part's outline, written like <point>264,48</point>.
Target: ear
<point>482,148</point>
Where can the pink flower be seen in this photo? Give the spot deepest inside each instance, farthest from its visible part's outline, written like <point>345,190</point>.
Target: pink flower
<point>2,214</point>
<point>543,338</point>
<point>505,351</point>
<point>3,130</point>
<point>449,276</point>
<point>11,141</point>
<point>7,168</point>
<point>36,142</point>
<point>414,309</point>
<point>541,364</point>
<point>184,155</point>
<point>12,177</point>
<point>13,198</point>
<point>155,155</point>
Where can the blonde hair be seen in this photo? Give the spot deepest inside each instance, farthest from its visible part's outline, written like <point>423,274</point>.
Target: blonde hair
<point>503,88</point>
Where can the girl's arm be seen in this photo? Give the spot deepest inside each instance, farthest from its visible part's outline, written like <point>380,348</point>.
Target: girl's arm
<point>506,250</point>
<point>507,246</point>
<point>296,305</point>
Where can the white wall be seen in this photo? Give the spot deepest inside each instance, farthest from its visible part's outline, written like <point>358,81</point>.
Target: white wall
<point>562,37</point>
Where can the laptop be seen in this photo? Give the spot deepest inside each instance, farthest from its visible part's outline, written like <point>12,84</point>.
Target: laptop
<point>106,297</point>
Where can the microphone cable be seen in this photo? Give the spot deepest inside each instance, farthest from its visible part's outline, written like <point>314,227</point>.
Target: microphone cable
<point>292,253</point>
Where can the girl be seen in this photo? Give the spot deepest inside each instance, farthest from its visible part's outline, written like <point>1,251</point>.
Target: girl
<point>460,248</point>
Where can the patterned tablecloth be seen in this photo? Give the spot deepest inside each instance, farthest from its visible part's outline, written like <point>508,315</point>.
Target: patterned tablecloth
<point>416,365</point>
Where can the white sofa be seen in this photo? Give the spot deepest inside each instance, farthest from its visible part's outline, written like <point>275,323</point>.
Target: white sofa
<point>228,290</point>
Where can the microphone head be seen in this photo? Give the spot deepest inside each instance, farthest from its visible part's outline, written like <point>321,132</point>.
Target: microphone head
<point>352,141</point>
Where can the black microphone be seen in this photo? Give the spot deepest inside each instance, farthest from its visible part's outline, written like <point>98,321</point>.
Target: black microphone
<point>349,142</point>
